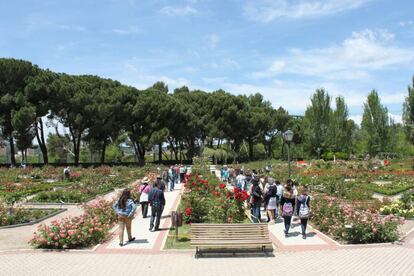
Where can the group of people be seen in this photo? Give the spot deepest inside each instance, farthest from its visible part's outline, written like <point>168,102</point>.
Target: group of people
<point>280,200</point>
<point>151,194</point>
<point>174,175</point>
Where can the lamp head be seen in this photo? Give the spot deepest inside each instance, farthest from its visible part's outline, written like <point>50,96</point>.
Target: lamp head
<point>288,135</point>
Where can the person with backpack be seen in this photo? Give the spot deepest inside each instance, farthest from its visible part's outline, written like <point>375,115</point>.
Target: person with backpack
<point>125,209</point>
<point>303,209</point>
<point>256,200</point>
<point>288,205</point>
<point>271,200</point>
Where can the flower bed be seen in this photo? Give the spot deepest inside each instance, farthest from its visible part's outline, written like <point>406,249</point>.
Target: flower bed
<point>351,225</point>
<point>16,216</point>
<point>77,232</point>
<point>208,200</point>
<point>398,186</point>
<point>403,207</point>
<point>48,185</point>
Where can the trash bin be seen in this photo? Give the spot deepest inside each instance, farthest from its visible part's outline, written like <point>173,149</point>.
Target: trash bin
<point>177,218</point>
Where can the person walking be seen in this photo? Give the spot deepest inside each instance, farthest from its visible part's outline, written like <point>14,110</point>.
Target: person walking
<point>303,209</point>
<point>288,205</point>
<point>125,209</point>
<point>171,178</point>
<point>256,200</point>
<point>182,173</point>
<point>279,194</point>
<point>144,190</point>
<point>270,197</point>
<point>157,201</point>
<point>241,181</point>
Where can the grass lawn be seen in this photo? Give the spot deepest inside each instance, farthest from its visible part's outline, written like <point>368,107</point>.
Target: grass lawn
<point>184,237</point>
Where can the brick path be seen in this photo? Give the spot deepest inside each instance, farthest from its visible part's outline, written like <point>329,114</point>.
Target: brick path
<point>395,260</point>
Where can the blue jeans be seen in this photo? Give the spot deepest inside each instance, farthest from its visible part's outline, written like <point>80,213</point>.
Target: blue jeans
<point>156,212</point>
<point>171,184</point>
<point>287,220</point>
<point>256,212</point>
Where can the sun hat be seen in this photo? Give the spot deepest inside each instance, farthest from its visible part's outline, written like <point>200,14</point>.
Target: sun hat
<point>145,180</point>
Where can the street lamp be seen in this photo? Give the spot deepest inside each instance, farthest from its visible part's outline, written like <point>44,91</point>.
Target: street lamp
<point>288,136</point>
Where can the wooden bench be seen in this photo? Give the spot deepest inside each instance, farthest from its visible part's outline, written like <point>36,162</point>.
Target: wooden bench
<point>230,236</point>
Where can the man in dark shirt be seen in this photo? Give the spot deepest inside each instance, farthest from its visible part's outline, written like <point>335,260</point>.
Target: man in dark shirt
<point>157,201</point>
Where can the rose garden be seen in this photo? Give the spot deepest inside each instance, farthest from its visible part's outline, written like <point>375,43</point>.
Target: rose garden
<point>354,202</point>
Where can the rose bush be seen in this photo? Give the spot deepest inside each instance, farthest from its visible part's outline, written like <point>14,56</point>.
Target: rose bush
<point>208,200</point>
<point>78,232</point>
<point>352,225</point>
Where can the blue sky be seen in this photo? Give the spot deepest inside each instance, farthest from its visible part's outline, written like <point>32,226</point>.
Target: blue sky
<point>282,49</point>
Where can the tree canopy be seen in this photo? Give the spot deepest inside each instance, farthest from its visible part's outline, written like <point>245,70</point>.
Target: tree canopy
<point>99,113</point>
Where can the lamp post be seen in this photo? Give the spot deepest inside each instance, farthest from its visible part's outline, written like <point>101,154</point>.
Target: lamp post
<point>319,152</point>
<point>288,136</point>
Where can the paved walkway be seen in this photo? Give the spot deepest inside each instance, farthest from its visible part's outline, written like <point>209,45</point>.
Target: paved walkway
<point>360,261</point>
<point>19,237</point>
<point>314,239</point>
<point>146,240</point>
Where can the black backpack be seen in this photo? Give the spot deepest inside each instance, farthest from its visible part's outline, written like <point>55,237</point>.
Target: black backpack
<point>272,191</point>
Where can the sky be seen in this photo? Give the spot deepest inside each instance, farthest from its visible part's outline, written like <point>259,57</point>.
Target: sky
<point>283,49</point>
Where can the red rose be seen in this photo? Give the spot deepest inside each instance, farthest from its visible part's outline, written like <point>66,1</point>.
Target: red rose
<point>188,211</point>
<point>222,186</point>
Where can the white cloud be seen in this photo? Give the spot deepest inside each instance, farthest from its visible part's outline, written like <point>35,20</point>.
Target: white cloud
<point>135,76</point>
<point>294,97</point>
<point>268,10</point>
<point>407,23</point>
<point>38,21</point>
<point>396,118</point>
<point>353,59</point>
<point>214,80</point>
<point>127,31</point>
<point>212,40</point>
<point>178,10</point>
<point>71,28</point>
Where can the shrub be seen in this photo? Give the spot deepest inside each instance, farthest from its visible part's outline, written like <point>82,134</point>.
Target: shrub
<point>208,200</point>
<point>352,225</point>
<point>77,232</point>
<point>398,208</point>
